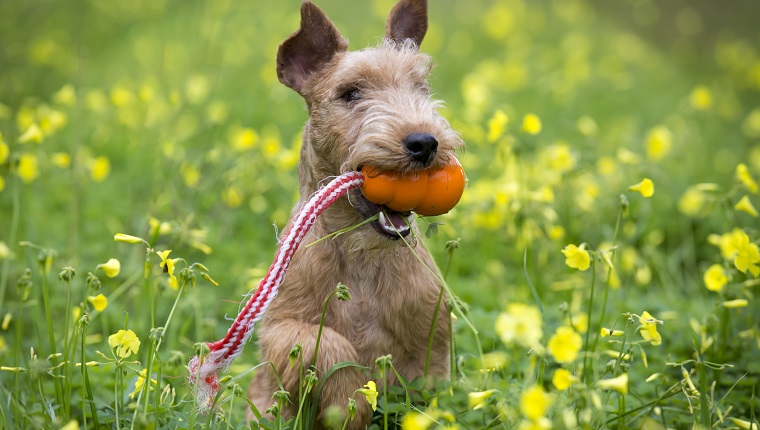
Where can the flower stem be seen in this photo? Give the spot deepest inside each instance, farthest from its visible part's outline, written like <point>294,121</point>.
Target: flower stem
<point>586,370</point>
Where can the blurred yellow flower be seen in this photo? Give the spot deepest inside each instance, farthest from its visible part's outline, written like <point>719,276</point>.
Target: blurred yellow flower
<point>100,168</point>
<point>563,379</point>
<point>649,329</point>
<point>167,265</point>
<point>692,202</point>
<point>658,143</point>
<point>4,150</point>
<point>609,332</point>
<point>497,125</point>
<point>71,425</point>
<point>416,421</point>
<point>61,159</point>
<point>32,134</point>
<point>370,393</point>
<point>477,399</point>
<point>65,96</point>
<point>244,138</point>
<point>715,278</point>
<point>531,124</point>
<point>111,267</point>
<point>645,187</point>
<point>99,302</point>
<point>587,126</point>
<point>736,303</point>
<point>232,197</point>
<point>577,257</point>
<point>700,98</point>
<point>190,175</point>
<point>27,168</point>
<point>751,124</point>
<point>121,96</point>
<point>159,227</point>
<point>542,423</point>
<point>494,360</point>
<point>565,344</point>
<point>606,166</point>
<point>521,323</point>
<point>579,321</point>
<point>126,343</point>
<point>619,384</point>
<point>217,112</point>
<point>2,183</point>
<point>743,175</point>
<point>534,402</point>
<point>559,157</point>
<point>745,205</point>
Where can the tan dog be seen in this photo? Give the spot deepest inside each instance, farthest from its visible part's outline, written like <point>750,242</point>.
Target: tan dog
<point>366,107</point>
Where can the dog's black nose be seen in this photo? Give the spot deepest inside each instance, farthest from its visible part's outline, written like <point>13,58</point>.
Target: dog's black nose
<point>421,147</point>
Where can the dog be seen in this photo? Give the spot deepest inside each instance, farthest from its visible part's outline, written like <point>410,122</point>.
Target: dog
<point>367,107</point>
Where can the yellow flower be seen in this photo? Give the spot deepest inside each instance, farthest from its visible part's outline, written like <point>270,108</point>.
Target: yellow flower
<point>494,360</point>
<point>542,423</point>
<point>577,257</point>
<point>100,168</point>
<point>167,264</point>
<point>658,143</point>
<point>700,98</point>
<point>140,382</point>
<point>521,323</point>
<point>416,421</point>
<point>609,332</point>
<point>619,384</point>
<point>649,329</point>
<point>121,237</point>
<point>27,168</point>
<point>477,399</point>
<point>121,96</point>
<point>2,183</point>
<point>99,302</point>
<point>66,95</point>
<point>587,126</point>
<point>244,138</point>
<point>737,303</point>
<point>565,344</point>
<point>579,321</point>
<point>534,402</point>
<point>126,343</point>
<point>71,425</point>
<point>531,124</point>
<point>61,159</point>
<point>370,393</point>
<point>747,255</point>
<point>190,175</point>
<point>32,134</point>
<point>743,175</point>
<point>745,205</point>
<point>232,197</point>
<point>563,379</point>
<point>4,150</point>
<point>497,125</point>
<point>645,187</point>
<point>111,267</point>
<point>715,278</point>
<point>692,202</point>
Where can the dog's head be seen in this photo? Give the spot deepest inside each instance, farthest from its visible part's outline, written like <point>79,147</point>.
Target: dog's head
<point>368,107</point>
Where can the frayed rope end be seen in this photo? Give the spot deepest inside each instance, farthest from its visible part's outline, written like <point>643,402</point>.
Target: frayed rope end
<point>203,375</point>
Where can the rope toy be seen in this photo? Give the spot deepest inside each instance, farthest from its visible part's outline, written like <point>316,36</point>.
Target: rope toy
<point>204,373</point>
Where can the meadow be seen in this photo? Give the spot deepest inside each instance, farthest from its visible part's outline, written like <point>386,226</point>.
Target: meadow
<point>603,259</point>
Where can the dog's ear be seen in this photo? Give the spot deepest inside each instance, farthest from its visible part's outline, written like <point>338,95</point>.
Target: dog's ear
<point>308,50</point>
<point>407,20</point>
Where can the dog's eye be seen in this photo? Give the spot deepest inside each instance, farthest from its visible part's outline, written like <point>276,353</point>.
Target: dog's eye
<point>351,95</point>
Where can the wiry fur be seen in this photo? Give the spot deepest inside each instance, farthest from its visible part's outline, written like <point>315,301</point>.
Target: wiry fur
<point>393,294</point>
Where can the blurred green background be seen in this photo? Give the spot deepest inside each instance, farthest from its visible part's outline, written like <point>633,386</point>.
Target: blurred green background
<point>171,111</point>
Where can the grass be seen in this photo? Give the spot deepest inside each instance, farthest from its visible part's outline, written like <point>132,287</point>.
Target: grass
<point>164,120</point>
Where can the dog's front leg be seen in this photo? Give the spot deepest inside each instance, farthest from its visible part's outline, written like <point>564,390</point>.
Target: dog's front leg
<point>276,339</point>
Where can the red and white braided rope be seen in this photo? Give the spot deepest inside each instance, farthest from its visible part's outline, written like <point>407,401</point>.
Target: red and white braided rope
<point>222,352</point>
